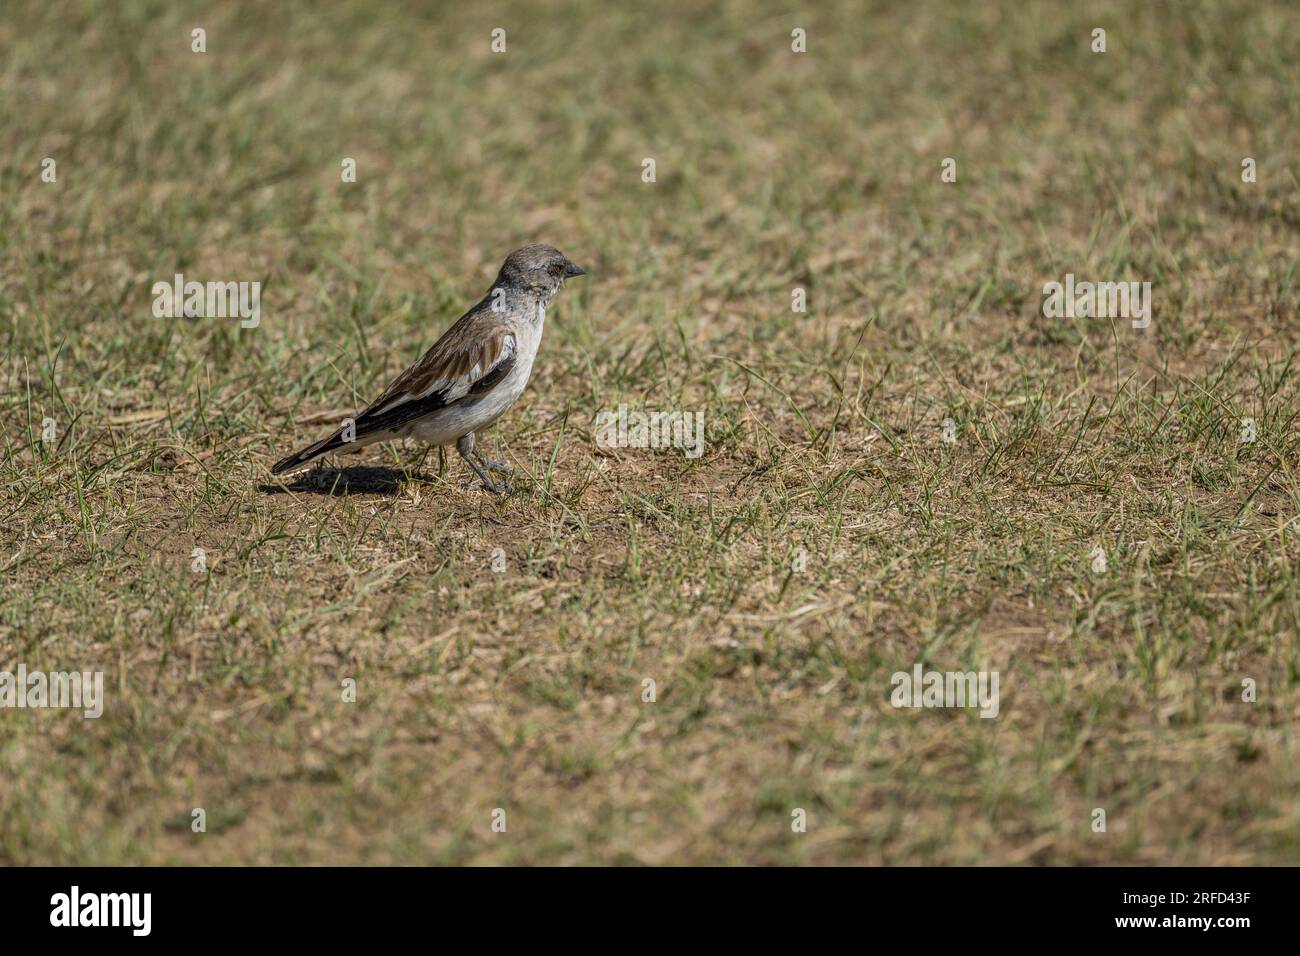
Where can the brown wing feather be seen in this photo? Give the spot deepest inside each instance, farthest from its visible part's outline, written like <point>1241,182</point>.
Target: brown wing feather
<point>477,339</point>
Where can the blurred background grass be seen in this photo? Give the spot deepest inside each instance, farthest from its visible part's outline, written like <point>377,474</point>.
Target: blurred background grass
<point>774,170</point>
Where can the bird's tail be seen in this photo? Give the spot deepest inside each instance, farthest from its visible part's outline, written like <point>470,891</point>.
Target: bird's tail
<point>300,458</point>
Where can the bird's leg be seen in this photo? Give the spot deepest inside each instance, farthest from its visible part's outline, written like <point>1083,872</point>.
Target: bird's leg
<point>416,467</point>
<point>465,445</point>
<point>499,467</point>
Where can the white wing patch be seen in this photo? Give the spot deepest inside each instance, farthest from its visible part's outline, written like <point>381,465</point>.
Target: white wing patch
<point>456,389</point>
<point>462,385</point>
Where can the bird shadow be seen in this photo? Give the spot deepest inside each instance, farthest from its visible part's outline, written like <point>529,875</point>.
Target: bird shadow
<point>354,480</point>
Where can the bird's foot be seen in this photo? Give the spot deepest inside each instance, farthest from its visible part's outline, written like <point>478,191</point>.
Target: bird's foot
<point>496,487</point>
<point>478,463</point>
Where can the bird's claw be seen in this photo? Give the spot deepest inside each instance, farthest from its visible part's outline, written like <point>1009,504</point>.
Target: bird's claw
<point>488,484</point>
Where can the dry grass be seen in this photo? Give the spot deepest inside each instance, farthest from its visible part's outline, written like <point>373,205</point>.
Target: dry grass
<point>522,690</point>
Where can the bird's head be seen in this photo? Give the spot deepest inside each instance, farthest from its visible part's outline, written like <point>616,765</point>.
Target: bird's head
<point>538,269</point>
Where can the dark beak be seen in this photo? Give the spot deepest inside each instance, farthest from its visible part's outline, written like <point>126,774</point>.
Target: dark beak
<point>571,271</point>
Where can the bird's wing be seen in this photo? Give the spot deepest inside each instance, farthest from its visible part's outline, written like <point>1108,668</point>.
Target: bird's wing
<point>475,354</point>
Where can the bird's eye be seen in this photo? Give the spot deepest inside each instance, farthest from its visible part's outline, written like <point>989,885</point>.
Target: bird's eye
<point>556,269</point>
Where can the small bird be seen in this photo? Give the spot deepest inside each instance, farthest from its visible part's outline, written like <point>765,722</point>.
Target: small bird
<point>470,376</point>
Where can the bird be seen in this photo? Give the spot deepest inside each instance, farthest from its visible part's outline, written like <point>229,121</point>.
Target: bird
<point>469,377</point>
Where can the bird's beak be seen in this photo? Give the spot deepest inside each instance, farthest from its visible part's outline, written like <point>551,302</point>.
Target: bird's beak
<point>571,271</point>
